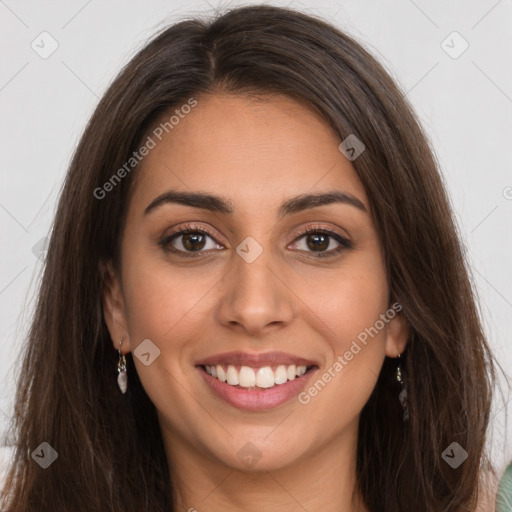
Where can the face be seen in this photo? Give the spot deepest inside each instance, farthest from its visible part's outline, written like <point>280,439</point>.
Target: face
<point>246,294</point>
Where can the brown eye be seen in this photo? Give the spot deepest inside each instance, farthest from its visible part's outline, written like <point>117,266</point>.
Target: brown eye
<point>322,242</point>
<point>318,241</point>
<point>193,241</point>
<point>189,241</point>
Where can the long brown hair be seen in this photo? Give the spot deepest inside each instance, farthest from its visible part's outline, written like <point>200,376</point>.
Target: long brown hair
<point>110,452</point>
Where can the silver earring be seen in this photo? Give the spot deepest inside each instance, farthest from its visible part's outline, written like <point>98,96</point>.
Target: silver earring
<point>122,377</point>
<point>403,393</point>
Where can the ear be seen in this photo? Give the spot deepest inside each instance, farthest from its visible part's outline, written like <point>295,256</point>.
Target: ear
<point>397,333</point>
<point>113,307</point>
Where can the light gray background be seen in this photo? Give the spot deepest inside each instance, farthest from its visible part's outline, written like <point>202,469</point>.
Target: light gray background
<point>465,103</point>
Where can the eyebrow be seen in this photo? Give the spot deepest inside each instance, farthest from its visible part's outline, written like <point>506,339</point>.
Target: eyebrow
<point>222,205</point>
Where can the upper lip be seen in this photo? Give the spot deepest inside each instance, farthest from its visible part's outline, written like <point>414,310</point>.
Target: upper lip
<point>255,359</point>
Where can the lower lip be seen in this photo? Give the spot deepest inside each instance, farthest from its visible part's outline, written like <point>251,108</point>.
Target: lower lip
<point>257,399</point>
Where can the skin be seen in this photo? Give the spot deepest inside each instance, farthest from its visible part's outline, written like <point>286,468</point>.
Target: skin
<point>257,153</point>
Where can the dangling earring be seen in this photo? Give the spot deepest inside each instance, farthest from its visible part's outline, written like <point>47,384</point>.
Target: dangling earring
<point>122,377</point>
<point>403,394</point>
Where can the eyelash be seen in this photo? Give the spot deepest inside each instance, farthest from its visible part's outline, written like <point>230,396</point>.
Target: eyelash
<point>318,230</point>
<point>166,240</point>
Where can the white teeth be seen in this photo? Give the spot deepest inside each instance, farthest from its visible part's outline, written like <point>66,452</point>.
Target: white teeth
<point>280,376</point>
<point>221,374</point>
<point>263,377</point>
<point>232,376</point>
<point>301,370</point>
<point>246,377</point>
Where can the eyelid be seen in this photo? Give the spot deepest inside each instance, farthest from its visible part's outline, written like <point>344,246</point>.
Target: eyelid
<point>344,243</point>
<point>191,227</point>
<point>320,227</point>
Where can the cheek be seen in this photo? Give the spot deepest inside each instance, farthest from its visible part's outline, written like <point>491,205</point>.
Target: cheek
<point>349,305</point>
<point>163,305</point>
<point>355,304</point>
<point>346,301</point>
<point>160,301</point>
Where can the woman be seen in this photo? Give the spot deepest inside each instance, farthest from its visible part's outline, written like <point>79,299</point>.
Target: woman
<point>254,295</point>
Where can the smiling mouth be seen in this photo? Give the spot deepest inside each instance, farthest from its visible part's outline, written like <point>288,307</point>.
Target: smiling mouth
<point>256,378</point>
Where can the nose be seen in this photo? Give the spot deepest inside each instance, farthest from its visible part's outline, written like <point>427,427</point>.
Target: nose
<point>255,296</point>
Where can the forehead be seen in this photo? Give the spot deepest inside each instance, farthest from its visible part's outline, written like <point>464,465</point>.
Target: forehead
<point>254,150</point>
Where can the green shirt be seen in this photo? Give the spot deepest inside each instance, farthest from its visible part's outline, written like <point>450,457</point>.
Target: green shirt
<point>504,496</point>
